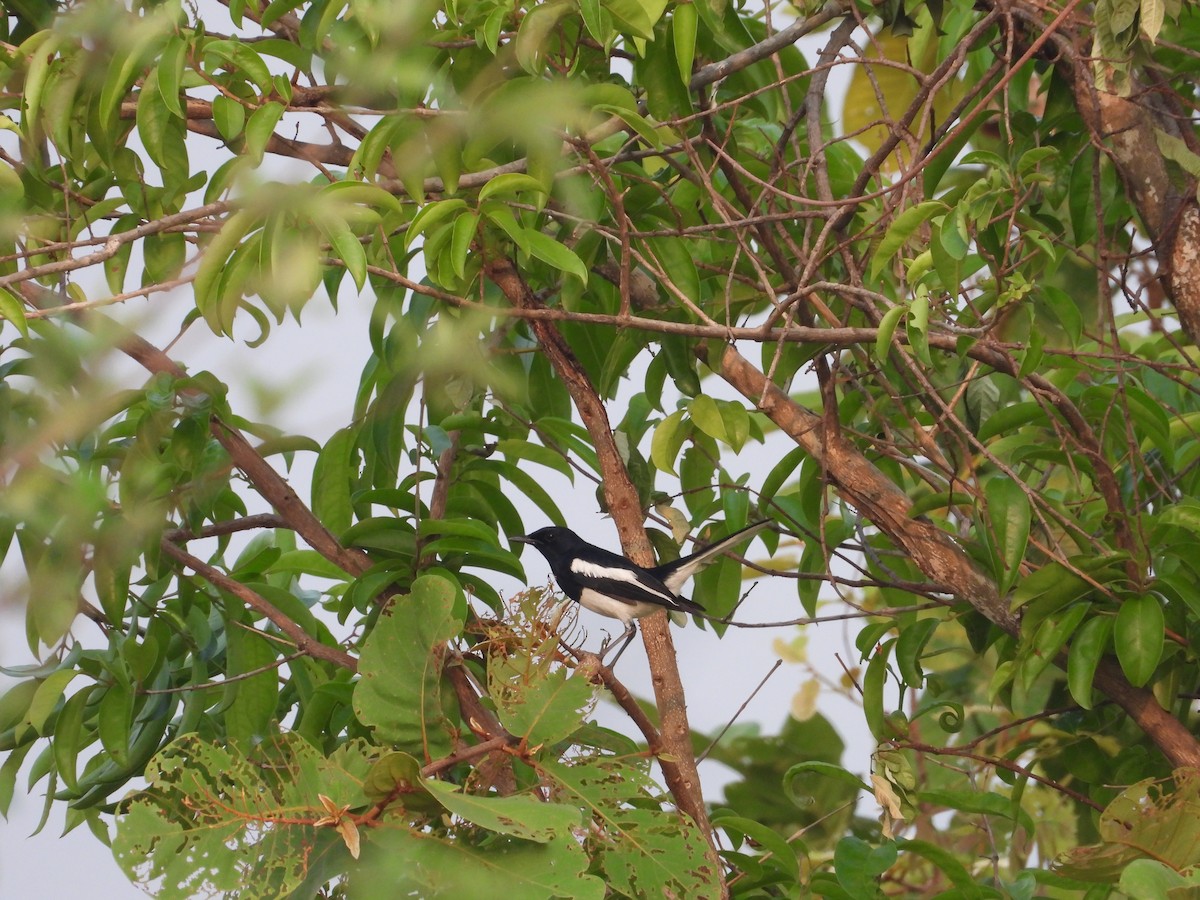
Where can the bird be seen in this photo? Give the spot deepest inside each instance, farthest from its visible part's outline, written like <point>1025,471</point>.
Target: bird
<point>611,585</point>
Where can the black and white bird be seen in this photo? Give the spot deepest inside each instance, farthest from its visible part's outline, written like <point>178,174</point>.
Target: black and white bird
<point>609,584</point>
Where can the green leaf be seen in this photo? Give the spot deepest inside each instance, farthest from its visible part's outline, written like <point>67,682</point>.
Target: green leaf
<point>399,689</point>
<point>412,863</point>
<point>873,684</point>
<point>534,34</point>
<point>1138,637</point>
<point>1009,418</point>
<point>1051,635</point>
<point>197,830</point>
<point>250,701</point>
<point>918,326</point>
<point>887,328</point>
<point>333,475</point>
<point>667,441</point>
<point>544,456</point>
<point>1087,649</point>
<point>526,817</point>
<point>1153,14</point>
<point>513,184</point>
<point>638,16</point>
<point>910,645</point>
<point>858,865</point>
<point>430,215</point>
<point>683,37</point>
<point>542,707</point>
<point>972,801</point>
<point>13,310</point>
<point>229,116</point>
<point>47,697</point>
<point>899,232</point>
<point>550,251</point>
<point>824,770</point>
<point>1010,515</point>
<point>465,226</point>
<point>116,721</point>
<point>213,264</point>
<point>170,69</point>
<point>346,245</point>
<point>68,735</point>
<point>706,415</point>
<point>261,128</point>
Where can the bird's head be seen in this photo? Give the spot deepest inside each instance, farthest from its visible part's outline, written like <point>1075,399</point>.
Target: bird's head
<point>550,538</point>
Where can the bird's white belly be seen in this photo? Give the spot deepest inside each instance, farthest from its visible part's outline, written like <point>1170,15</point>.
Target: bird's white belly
<point>613,608</point>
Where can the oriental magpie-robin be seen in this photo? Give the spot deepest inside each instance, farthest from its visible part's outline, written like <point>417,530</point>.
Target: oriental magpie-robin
<point>609,584</point>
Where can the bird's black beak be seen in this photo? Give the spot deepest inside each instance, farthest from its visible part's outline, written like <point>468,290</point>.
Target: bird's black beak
<point>521,539</point>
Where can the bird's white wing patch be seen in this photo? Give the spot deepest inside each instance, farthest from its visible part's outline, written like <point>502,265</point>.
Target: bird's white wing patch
<point>614,573</point>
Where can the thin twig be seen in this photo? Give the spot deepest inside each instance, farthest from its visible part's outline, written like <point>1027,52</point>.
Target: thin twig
<point>282,661</point>
<point>740,710</point>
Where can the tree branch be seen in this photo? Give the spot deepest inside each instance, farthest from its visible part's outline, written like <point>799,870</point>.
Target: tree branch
<point>680,772</point>
<point>304,642</point>
<point>934,552</point>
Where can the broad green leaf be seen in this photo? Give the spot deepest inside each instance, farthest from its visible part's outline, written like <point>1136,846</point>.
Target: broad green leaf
<point>169,73</point>
<point>535,33</point>
<point>464,229</point>
<point>824,770</point>
<point>1153,13</point>
<point>197,829</point>
<point>229,116</point>
<point>47,697</point>
<point>1138,635</point>
<point>116,721</point>
<point>542,707</point>
<point>667,441</point>
<point>918,326</point>
<point>873,685</point>
<point>13,310</point>
<point>332,476</point>
<point>1010,514</point>
<point>972,801</point>
<point>413,863</point>
<point>910,646</point>
<point>647,851</point>
<point>638,16</point>
<point>1088,647</point>
<point>548,250</point>
<point>705,413</point>
<point>520,816</point>
<point>68,735</point>
<point>213,265</point>
<point>683,37</point>
<point>513,184</point>
<point>347,246</point>
<point>544,456</point>
<point>261,128</point>
<point>399,690</point>
<point>250,701</point>
<point>1051,635</point>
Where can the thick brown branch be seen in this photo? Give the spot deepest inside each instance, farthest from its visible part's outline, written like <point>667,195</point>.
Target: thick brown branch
<point>269,483</point>
<point>304,642</point>
<point>625,507</point>
<point>933,551</point>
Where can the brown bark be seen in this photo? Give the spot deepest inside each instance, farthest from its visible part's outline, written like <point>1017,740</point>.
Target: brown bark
<point>677,760</point>
<point>1126,128</point>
